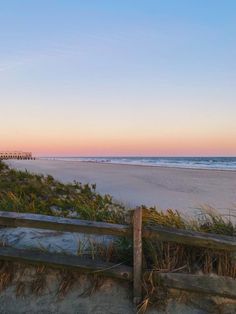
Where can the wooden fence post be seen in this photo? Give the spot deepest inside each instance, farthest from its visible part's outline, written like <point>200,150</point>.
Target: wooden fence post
<point>137,256</point>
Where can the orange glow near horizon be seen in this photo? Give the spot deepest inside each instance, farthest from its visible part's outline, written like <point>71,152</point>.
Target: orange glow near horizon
<point>65,136</point>
<point>178,146</point>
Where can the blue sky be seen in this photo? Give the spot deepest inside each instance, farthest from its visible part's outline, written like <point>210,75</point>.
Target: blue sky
<point>118,77</point>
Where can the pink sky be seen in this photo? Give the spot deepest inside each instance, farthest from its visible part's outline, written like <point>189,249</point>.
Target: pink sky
<point>178,146</point>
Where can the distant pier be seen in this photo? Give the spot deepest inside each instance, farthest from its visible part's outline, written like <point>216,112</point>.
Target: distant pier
<point>15,155</point>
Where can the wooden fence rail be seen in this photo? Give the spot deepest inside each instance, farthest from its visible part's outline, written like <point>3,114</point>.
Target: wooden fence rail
<point>66,261</point>
<point>191,238</point>
<point>12,219</point>
<point>160,233</point>
<point>217,285</point>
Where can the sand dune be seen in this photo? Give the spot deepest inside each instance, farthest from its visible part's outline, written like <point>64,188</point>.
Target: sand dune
<point>183,189</point>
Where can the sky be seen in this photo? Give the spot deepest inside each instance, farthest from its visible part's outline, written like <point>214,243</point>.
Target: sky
<point>118,78</point>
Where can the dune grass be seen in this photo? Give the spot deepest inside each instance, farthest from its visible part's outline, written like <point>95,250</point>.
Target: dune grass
<point>166,256</point>
<point>21,191</point>
<point>25,192</point>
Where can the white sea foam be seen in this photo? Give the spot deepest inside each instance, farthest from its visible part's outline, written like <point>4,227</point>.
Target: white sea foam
<point>218,163</point>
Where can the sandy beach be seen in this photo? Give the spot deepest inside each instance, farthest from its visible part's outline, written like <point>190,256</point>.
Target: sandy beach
<point>182,189</point>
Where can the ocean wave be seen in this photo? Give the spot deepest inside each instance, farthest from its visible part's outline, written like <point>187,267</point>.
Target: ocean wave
<point>217,163</point>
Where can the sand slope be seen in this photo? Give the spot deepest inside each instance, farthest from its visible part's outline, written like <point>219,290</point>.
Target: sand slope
<point>183,189</point>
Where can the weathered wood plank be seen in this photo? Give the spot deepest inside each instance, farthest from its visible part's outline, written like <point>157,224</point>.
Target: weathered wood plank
<point>137,256</point>
<point>213,285</point>
<point>66,261</point>
<point>12,219</point>
<point>192,238</point>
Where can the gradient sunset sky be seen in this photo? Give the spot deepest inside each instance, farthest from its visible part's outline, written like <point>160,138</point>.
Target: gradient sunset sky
<point>118,77</point>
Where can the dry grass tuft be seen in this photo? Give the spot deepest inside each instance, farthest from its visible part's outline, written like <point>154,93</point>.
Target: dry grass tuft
<point>170,256</point>
<point>6,274</point>
<point>154,293</point>
<point>106,252</point>
<point>96,281</point>
<point>67,280</point>
<point>162,256</point>
<point>168,218</point>
<point>39,283</point>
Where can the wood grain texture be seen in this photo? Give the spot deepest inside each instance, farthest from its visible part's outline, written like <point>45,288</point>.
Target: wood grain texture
<point>161,233</point>
<point>137,256</point>
<point>213,285</point>
<point>191,238</point>
<point>66,261</point>
<point>12,219</point>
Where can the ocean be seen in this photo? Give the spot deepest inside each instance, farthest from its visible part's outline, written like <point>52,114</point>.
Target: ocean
<point>219,163</point>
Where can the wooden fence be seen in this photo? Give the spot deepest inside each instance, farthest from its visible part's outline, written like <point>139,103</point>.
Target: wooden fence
<point>221,286</point>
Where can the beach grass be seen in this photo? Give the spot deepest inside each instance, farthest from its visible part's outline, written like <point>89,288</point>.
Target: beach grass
<point>21,191</point>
